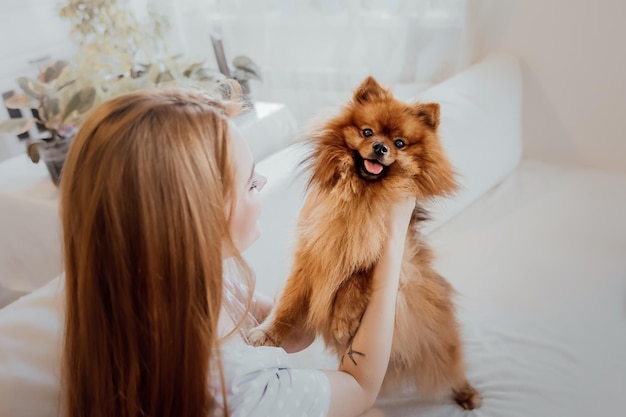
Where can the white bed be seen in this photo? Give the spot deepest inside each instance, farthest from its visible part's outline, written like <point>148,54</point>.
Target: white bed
<point>537,253</point>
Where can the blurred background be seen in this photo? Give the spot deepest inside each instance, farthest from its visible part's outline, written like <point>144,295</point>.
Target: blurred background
<point>312,53</point>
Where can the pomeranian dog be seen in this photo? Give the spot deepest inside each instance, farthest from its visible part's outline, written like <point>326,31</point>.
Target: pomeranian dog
<point>374,150</point>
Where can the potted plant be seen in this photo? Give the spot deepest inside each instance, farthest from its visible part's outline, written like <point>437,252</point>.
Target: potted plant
<point>60,99</point>
<point>117,53</point>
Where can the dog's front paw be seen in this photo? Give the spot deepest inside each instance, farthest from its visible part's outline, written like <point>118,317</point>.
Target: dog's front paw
<point>261,336</point>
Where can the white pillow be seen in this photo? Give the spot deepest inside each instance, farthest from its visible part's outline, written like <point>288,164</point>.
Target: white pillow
<point>31,337</point>
<point>481,111</point>
<point>481,131</point>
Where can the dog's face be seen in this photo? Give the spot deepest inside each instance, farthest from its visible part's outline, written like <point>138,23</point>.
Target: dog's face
<point>389,142</point>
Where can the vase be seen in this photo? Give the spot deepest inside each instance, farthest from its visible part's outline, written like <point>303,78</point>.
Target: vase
<point>53,153</point>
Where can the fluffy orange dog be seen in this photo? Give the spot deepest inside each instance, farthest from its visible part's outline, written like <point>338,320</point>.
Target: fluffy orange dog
<point>374,150</point>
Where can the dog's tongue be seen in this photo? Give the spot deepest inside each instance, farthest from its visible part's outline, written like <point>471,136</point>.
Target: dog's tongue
<point>373,167</point>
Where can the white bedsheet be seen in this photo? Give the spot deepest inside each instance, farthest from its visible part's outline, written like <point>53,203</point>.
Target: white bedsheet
<point>539,263</point>
<point>540,268</point>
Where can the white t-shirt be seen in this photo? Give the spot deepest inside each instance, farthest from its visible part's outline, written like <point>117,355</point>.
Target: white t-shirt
<point>259,381</point>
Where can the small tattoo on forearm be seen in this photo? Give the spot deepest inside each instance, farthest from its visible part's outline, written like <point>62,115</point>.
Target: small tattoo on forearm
<point>351,352</point>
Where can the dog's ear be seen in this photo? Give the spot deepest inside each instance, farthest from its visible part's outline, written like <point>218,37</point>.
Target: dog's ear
<point>369,90</point>
<point>428,113</point>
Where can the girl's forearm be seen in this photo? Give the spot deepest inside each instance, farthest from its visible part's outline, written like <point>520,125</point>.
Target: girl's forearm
<point>361,372</point>
<point>367,357</point>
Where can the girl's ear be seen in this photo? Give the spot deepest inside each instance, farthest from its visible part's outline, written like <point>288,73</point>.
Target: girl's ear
<point>370,90</point>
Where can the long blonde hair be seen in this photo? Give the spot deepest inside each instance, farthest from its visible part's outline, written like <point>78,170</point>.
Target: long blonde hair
<point>144,192</point>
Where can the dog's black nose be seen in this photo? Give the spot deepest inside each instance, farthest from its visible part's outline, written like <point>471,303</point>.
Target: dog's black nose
<point>380,149</point>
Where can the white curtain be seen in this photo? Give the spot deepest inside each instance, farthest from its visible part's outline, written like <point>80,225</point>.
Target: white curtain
<point>313,53</point>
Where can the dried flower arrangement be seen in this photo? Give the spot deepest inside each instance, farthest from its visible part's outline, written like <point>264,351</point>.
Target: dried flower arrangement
<point>117,54</point>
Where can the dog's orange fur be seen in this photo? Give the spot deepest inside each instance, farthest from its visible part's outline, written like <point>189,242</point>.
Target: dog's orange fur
<point>341,232</point>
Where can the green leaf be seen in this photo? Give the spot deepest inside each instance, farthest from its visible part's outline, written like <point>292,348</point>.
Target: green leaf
<point>242,61</point>
<point>80,102</point>
<point>33,152</point>
<point>32,88</point>
<point>193,68</point>
<point>67,84</point>
<point>247,68</point>
<point>164,77</point>
<point>201,75</point>
<point>242,74</point>
<point>54,70</point>
<point>15,126</point>
<point>50,107</point>
<point>21,101</point>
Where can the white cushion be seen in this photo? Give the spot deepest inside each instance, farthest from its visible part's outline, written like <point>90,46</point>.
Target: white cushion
<point>30,353</point>
<point>480,128</point>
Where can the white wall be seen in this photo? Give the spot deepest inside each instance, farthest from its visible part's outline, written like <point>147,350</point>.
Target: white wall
<point>572,51</point>
<point>574,60</point>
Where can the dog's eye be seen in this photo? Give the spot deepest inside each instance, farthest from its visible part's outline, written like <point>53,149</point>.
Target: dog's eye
<point>399,143</point>
<point>367,132</point>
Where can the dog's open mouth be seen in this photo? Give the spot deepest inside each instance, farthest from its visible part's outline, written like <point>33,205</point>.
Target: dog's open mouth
<point>369,169</point>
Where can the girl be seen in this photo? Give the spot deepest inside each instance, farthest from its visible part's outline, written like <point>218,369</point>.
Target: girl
<point>158,199</point>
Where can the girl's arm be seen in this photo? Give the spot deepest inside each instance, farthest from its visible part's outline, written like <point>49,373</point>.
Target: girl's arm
<point>355,386</point>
